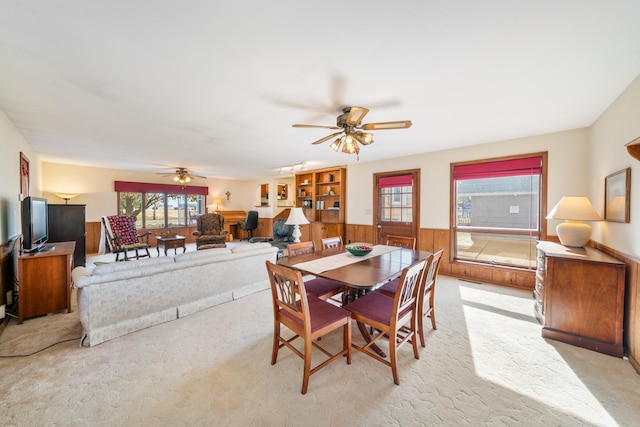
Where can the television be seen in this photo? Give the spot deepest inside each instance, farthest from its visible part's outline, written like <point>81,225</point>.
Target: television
<point>35,224</point>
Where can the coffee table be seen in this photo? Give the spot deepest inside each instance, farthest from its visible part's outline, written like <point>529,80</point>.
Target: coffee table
<point>173,242</point>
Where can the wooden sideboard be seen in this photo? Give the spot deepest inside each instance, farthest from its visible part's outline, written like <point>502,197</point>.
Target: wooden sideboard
<point>580,297</point>
<point>44,280</point>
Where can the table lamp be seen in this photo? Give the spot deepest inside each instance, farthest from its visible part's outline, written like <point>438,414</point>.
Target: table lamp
<point>296,218</point>
<point>574,210</point>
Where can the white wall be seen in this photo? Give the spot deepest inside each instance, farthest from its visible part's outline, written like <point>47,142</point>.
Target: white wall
<point>618,125</point>
<point>95,187</point>
<point>12,144</point>
<point>567,175</point>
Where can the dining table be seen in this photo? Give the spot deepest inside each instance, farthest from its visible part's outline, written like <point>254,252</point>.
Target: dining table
<point>360,274</point>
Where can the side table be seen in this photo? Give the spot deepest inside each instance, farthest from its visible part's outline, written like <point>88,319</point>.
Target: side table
<point>173,242</point>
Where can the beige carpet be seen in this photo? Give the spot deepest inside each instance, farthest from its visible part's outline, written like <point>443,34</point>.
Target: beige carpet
<point>485,365</point>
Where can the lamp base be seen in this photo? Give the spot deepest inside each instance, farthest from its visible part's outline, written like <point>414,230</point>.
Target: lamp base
<point>296,233</point>
<point>574,234</point>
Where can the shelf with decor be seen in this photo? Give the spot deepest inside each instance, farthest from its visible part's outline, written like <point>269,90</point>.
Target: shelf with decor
<point>321,193</point>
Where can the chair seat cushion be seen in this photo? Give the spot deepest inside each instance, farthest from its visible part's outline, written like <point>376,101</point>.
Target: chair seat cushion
<point>375,306</point>
<point>320,287</point>
<point>321,313</point>
<point>135,246</point>
<point>390,287</point>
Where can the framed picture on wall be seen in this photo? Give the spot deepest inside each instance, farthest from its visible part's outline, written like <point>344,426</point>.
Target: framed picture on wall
<point>616,196</point>
<point>24,176</point>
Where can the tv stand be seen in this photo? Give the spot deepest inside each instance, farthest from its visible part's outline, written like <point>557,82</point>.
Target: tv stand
<point>44,280</point>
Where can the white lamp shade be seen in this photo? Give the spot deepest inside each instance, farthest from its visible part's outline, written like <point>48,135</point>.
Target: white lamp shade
<point>574,210</point>
<point>296,217</point>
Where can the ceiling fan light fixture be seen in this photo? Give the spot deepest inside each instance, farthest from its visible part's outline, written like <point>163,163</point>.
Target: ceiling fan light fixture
<point>363,138</point>
<point>335,145</point>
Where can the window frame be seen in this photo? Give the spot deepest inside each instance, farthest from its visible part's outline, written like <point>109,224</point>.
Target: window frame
<point>168,192</point>
<point>453,207</point>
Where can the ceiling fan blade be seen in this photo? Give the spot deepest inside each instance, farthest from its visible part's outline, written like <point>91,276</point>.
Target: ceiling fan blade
<point>315,126</point>
<point>403,124</point>
<point>356,114</point>
<point>326,138</point>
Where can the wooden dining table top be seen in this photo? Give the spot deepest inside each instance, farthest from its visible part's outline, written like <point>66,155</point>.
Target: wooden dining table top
<point>367,273</point>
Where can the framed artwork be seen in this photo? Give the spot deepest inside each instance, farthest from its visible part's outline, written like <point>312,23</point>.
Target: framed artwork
<point>616,196</point>
<point>24,176</point>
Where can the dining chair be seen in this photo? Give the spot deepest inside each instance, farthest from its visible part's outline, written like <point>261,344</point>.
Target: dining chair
<point>332,242</point>
<point>307,317</point>
<point>392,318</point>
<point>426,293</point>
<point>318,287</point>
<point>402,241</point>
<point>300,248</point>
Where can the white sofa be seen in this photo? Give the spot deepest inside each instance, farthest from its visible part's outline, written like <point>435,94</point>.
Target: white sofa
<point>118,298</point>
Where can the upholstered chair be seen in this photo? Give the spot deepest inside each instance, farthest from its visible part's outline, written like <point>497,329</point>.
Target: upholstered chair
<point>282,236</point>
<point>210,230</point>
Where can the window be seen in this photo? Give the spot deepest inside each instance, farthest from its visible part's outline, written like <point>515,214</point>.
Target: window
<point>497,210</point>
<point>396,198</point>
<point>163,205</point>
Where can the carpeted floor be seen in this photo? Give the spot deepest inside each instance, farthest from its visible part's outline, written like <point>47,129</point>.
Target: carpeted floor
<point>485,365</point>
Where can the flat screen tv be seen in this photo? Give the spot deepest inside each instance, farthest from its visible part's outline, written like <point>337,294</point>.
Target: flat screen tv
<point>35,224</point>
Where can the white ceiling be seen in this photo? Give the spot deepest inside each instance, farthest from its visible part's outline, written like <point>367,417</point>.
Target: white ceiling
<point>150,85</point>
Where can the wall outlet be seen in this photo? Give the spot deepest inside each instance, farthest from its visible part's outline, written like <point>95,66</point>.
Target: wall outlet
<point>2,311</point>
<point>9,298</point>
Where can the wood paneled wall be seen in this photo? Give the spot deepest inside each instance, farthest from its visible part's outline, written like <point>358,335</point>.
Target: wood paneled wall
<point>631,304</point>
<point>430,239</point>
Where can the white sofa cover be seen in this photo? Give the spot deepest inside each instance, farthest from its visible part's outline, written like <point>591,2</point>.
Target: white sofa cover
<point>118,298</point>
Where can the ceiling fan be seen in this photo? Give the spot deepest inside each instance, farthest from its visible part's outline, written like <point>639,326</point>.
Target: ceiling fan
<point>351,132</point>
<point>182,176</point>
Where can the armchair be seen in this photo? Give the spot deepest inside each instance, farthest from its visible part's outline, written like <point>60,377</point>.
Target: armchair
<point>210,230</point>
<point>282,236</point>
<point>122,236</point>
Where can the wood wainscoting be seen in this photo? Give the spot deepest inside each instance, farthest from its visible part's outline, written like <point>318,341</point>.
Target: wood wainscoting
<point>431,239</point>
<point>95,228</point>
<point>631,336</point>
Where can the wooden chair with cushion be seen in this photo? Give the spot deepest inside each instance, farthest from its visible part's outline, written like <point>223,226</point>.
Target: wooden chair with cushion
<point>300,248</point>
<point>123,237</point>
<point>426,294</point>
<point>332,242</point>
<point>392,318</point>
<point>318,287</point>
<point>402,241</point>
<point>307,317</point>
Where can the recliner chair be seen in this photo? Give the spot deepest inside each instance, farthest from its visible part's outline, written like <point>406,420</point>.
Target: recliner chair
<point>282,236</point>
<point>250,223</point>
<point>210,231</point>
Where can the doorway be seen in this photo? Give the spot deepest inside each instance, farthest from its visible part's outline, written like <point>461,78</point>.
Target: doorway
<point>396,204</point>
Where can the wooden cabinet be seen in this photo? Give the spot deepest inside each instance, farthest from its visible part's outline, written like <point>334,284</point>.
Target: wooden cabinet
<point>579,296</point>
<point>67,224</point>
<point>44,280</point>
<point>321,194</point>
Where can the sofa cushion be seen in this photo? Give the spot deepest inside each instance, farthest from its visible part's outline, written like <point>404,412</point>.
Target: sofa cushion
<point>205,255</point>
<point>129,265</point>
<point>250,247</point>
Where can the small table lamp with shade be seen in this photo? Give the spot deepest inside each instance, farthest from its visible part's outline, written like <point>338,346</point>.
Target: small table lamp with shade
<point>296,218</point>
<point>66,197</point>
<point>574,210</point>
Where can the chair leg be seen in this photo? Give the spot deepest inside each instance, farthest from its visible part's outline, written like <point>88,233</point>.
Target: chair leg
<point>346,338</point>
<point>276,343</point>
<point>307,365</point>
<point>393,353</point>
<point>421,328</point>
